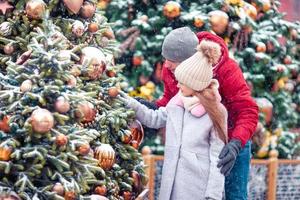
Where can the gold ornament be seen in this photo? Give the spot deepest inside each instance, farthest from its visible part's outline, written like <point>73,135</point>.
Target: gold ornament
<point>73,5</point>
<point>42,120</point>
<point>62,105</point>
<point>78,28</point>
<point>9,49</point>
<point>5,153</point>
<point>219,21</point>
<point>5,29</point>
<point>26,86</point>
<point>58,188</point>
<point>106,156</point>
<point>88,10</point>
<point>171,10</point>
<point>4,124</point>
<point>35,9</point>
<point>96,61</point>
<point>137,131</point>
<point>85,111</point>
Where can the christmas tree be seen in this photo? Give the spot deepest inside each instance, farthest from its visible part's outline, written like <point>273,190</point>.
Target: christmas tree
<point>260,40</point>
<point>64,134</point>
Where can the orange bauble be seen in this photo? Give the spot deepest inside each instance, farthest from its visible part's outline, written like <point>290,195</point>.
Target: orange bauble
<point>198,22</point>
<point>61,140</point>
<point>62,105</point>
<point>102,190</point>
<point>5,153</point>
<point>137,60</point>
<point>261,47</point>
<point>113,92</point>
<point>127,195</point>
<point>250,10</point>
<point>171,10</point>
<point>93,27</point>
<point>42,120</point>
<point>70,195</point>
<point>85,111</point>
<point>111,73</point>
<point>266,5</point>
<point>106,156</point>
<point>4,126</point>
<point>287,60</point>
<point>84,149</point>
<point>109,33</point>
<point>219,21</point>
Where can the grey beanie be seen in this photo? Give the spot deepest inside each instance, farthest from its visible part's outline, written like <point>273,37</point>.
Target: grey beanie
<point>179,44</point>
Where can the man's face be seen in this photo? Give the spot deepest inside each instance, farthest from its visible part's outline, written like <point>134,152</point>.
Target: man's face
<point>171,65</point>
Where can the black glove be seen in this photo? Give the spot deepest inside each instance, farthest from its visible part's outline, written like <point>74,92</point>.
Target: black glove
<point>150,105</point>
<point>228,156</point>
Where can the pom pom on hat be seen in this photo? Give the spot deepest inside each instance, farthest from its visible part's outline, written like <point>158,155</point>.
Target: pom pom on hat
<point>211,50</point>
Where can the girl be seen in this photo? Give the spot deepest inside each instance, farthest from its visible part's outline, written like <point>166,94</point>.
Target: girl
<point>196,129</point>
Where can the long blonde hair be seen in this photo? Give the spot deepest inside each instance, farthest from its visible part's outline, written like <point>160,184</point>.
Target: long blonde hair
<point>211,100</point>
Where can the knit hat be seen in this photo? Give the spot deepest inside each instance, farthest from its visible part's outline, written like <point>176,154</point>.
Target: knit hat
<point>179,44</point>
<point>196,72</point>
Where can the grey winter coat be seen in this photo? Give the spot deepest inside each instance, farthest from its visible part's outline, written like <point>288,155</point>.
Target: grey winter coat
<point>191,152</point>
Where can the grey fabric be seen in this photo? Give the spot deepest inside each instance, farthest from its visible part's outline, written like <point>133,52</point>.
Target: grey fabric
<point>191,152</point>
<point>179,44</point>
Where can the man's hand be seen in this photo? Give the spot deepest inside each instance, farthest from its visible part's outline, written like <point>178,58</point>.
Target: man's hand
<point>228,156</point>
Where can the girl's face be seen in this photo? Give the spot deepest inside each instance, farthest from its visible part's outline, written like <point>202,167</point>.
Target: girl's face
<point>185,90</point>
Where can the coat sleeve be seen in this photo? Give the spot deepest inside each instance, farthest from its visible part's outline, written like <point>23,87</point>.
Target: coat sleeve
<point>148,117</point>
<point>162,102</point>
<point>239,103</point>
<point>216,180</point>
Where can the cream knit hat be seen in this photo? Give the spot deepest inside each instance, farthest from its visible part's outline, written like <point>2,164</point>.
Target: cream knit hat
<point>196,72</point>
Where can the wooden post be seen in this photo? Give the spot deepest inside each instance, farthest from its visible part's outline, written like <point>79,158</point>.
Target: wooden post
<point>272,175</point>
<point>149,162</point>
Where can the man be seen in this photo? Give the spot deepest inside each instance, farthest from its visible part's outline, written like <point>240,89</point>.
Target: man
<point>235,157</point>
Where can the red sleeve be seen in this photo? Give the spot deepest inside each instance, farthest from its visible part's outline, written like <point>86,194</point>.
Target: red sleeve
<point>162,102</point>
<point>241,107</point>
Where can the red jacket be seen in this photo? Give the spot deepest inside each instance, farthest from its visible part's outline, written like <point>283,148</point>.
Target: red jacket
<point>236,96</point>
